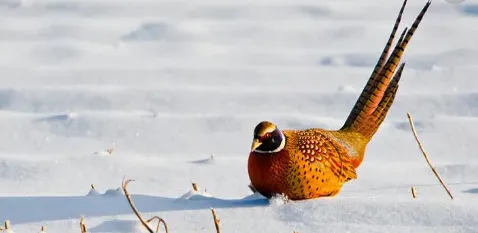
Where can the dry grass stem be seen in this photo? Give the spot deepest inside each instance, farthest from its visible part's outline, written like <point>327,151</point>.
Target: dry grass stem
<point>93,186</point>
<point>136,212</point>
<point>83,226</point>
<point>426,156</point>
<point>110,150</point>
<point>160,220</point>
<point>42,229</point>
<point>414,192</point>
<point>195,186</point>
<point>7,225</point>
<point>252,188</point>
<point>216,220</point>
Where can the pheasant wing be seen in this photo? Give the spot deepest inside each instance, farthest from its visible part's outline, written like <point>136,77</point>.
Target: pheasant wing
<point>322,151</point>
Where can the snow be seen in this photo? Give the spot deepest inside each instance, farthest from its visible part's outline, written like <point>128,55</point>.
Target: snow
<point>173,89</point>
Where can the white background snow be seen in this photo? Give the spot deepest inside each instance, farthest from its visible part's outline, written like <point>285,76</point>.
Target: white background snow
<point>169,83</point>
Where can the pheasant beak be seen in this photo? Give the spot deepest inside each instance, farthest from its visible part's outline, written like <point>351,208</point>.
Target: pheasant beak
<point>256,143</point>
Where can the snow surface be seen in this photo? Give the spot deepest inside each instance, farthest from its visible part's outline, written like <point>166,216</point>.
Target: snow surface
<point>166,84</point>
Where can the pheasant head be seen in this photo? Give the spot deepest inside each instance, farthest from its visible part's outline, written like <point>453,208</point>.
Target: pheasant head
<point>267,138</point>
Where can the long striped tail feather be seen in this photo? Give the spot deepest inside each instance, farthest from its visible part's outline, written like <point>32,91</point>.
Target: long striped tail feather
<point>379,93</point>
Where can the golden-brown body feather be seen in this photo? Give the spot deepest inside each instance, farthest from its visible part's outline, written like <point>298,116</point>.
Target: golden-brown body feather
<point>313,163</point>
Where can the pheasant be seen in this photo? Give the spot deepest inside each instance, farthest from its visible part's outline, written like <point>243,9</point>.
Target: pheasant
<point>315,162</point>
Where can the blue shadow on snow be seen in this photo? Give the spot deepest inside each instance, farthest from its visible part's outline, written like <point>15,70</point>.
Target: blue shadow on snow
<point>24,209</point>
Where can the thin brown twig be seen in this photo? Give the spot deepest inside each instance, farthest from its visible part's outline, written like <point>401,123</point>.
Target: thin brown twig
<point>160,220</point>
<point>136,212</point>
<point>426,156</point>
<point>414,192</point>
<point>109,150</point>
<point>195,186</point>
<point>83,225</point>
<point>216,220</point>
<point>253,190</point>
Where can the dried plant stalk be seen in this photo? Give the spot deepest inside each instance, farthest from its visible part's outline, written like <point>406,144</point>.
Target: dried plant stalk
<point>7,225</point>
<point>136,212</point>
<point>160,220</point>
<point>216,220</point>
<point>110,150</point>
<point>414,192</point>
<point>426,156</point>
<point>83,226</point>
<point>253,190</point>
<point>93,186</point>
<point>195,186</point>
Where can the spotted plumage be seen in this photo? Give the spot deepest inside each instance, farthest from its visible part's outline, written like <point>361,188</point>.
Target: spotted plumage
<point>311,163</point>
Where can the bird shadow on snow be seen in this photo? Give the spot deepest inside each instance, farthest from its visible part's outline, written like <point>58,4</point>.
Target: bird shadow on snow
<point>26,209</point>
